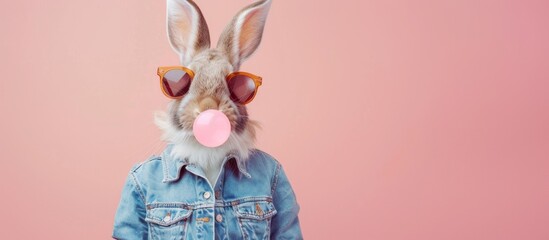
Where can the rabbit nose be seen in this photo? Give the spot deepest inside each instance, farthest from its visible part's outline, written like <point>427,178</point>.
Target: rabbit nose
<point>208,103</point>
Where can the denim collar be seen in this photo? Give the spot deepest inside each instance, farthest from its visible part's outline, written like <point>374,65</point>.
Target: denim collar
<point>172,166</point>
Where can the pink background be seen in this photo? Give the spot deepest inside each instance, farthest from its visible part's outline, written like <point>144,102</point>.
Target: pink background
<point>393,119</point>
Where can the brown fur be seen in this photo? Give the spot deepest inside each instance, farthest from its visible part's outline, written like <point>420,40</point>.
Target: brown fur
<point>209,91</point>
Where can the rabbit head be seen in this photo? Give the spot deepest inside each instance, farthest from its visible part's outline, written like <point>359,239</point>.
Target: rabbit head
<point>189,37</point>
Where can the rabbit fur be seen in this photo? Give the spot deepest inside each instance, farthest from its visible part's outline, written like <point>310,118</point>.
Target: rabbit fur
<point>189,37</point>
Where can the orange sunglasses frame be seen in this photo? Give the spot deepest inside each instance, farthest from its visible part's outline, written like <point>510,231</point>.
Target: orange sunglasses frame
<point>163,70</point>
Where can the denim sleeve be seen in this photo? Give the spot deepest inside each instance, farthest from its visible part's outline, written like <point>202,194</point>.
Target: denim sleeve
<point>285,223</point>
<point>129,221</point>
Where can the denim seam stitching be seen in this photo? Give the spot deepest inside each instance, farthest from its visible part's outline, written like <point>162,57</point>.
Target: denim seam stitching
<point>185,228</point>
<point>275,179</point>
<point>207,205</point>
<point>244,236</point>
<point>159,220</point>
<point>151,230</point>
<point>169,205</point>
<point>254,217</point>
<point>138,187</point>
<point>268,231</point>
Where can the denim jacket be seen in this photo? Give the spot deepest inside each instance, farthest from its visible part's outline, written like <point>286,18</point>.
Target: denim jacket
<point>168,198</point>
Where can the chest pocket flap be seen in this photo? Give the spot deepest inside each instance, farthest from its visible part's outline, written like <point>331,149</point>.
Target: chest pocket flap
<point>258,210</point>
<point>166,216</point>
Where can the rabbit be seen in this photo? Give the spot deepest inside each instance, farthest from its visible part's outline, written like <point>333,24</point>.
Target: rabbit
<point>189,37</point>
<point>231,191</point>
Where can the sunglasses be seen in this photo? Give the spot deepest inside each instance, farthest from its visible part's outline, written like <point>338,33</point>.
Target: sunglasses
<point>176,80</point>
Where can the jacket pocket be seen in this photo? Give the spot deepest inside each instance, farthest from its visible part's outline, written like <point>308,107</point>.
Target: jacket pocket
<point>254,218</point>
<point>167,222</point>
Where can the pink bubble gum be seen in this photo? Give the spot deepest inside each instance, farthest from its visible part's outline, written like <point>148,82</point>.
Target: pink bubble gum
<point>211,128</point>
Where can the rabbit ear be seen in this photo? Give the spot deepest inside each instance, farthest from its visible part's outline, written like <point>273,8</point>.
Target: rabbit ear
<point>243,34</point>
<point>187,30</point>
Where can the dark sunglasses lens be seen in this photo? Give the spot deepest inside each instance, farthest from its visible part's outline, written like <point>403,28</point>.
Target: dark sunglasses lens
<point>242,88</point>
<point>176,82</point>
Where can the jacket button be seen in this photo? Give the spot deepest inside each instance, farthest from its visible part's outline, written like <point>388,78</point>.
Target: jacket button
<point>207,195</point>
<point>219,218</point>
